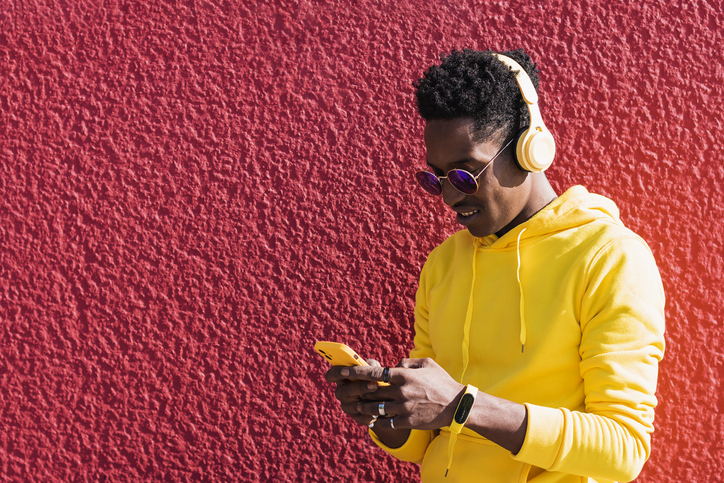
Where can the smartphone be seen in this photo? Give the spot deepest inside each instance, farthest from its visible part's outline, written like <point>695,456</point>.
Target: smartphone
<point>340,355</point>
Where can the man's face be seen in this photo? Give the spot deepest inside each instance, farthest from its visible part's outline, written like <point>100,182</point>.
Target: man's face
<point>504,189</point>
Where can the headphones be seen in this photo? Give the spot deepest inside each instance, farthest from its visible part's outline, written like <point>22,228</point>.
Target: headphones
<point>535,147</point>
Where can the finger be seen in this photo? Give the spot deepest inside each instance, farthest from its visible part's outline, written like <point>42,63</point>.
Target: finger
<point>380,408</point>
<point>373,373</point>
<point>351,409</point>
<point>363,419</point>
<point>353,391</point>
<point>367,421</point>
<point>364,373</point>
<point>341,373</point>
<point>333,375</point>
<point>395,422</point>
<point>384,392</point>
<point>373,363</point>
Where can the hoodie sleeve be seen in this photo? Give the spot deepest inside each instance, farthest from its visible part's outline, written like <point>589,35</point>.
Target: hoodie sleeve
<point>416,445</point>
<point>622,342</point>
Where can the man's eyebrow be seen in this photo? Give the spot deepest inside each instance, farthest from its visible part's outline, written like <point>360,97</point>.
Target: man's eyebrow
<point>467,160</point>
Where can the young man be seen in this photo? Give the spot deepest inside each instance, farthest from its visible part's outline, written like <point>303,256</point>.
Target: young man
<point>539,328</point>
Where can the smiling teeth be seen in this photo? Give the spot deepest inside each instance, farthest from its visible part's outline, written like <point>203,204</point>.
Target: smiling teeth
<point>469,213</point>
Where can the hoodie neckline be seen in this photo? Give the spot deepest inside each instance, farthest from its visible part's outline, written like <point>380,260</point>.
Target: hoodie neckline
<point>575,207</point>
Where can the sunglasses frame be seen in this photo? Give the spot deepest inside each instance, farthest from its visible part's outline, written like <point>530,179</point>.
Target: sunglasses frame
<point>474,177</point>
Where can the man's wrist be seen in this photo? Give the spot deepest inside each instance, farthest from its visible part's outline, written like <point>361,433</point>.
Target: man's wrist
<point>452,407</point>
<point>463,408</point>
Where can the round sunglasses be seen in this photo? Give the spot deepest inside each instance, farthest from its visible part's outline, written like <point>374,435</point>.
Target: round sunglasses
<point>460,179</point>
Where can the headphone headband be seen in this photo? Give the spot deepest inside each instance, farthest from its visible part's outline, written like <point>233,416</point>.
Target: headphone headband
<point>527,89</point>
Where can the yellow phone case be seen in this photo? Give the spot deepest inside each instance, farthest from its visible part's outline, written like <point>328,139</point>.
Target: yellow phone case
<point>340,355</point>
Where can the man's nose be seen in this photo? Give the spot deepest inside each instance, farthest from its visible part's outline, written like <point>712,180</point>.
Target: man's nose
<point>450,195</point>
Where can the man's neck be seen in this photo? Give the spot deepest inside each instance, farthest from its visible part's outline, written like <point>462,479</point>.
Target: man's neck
<point>542,194</point>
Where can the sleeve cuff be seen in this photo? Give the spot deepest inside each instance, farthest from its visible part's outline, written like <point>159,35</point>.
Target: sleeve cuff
<point>414,448</point>
<point>543,438</point>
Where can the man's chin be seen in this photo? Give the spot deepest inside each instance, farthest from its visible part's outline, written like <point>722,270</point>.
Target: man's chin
<point>479,232</point>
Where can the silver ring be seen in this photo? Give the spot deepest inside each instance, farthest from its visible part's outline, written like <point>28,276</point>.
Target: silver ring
<point>392,423</point>
<point>372,423</point>
<point>381,409</point>
<point>386,374</point>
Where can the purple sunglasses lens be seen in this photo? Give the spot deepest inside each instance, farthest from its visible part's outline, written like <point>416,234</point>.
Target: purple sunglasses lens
<point>429,182</point>
<point>463,181</point>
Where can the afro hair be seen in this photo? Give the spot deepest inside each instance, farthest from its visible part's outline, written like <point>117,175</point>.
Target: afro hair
<point>476,85</point>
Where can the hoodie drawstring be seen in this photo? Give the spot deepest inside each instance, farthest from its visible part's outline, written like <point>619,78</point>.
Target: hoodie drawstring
<point>523,333</point>
<point>469,317</point>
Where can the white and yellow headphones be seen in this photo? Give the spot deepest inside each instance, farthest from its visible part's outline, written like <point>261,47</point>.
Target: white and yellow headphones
<point>535,147</point>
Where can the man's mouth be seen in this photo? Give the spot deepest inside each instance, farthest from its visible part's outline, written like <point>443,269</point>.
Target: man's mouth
<point>466,217</point>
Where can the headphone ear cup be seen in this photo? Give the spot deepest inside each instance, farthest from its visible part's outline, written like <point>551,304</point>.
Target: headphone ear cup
<point>535,150</point>
<point>518,148</point>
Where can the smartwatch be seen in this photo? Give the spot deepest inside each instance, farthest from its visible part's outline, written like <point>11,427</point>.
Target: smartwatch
<point>462,413</point>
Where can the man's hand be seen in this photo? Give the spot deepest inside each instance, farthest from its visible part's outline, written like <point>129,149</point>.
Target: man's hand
<point>421,394</point>
<point>351,393</point>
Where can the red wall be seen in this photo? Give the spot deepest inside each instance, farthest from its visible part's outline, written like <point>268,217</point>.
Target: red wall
<point>192,193</point>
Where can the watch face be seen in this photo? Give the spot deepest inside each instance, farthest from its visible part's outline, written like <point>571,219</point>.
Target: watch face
<point>463,411</point>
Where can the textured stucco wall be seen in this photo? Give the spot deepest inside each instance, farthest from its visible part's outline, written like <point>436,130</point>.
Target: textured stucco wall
<point>193,192</point>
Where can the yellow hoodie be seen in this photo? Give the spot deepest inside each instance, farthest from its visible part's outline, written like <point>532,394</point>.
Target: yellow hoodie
<point>565,314</point>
